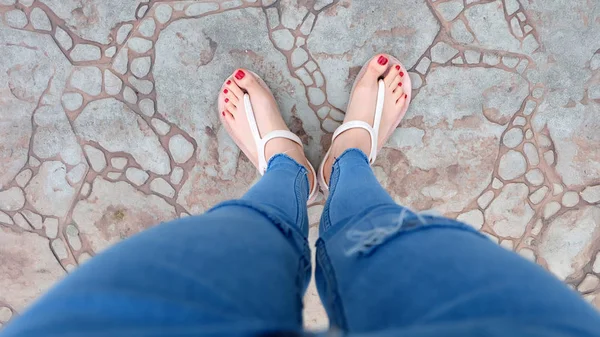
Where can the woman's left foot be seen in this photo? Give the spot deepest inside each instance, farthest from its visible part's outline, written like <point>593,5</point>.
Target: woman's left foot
<point>267,115</point>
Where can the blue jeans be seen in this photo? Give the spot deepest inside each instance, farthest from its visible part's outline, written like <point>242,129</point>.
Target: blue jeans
<point>241,270</point>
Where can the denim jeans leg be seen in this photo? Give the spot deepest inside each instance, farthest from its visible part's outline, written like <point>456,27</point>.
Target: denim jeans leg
<point>381,266</point>
<point>239,269</point>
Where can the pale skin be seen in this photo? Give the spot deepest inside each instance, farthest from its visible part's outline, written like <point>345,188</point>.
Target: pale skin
<point>361,107</point>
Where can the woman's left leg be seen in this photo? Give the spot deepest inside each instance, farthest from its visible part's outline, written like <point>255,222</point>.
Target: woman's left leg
<point>239,269</point>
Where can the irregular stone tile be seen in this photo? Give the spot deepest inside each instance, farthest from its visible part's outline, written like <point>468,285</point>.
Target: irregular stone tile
<point>510,61</point>
<point>110,52</point>
<point>93,20</point>
<point>54,136</point>
<point>143,86</point>
<point>15,18</point>
<point>112,83</point>
<point>176,175</point>
<point>140,66</point>
<point>337,115</point>
<point>473,218</point>
<point>316,96</point>
<point>136,176</point>
<point>330,125</point>
<point>28,267</point>
<point>283,39</point>
<point>273,17</point>
<point>180,148</point>
<point>529,108</point>
<point>201,8</point>
<point>528,254</point>
<point>511,6</point>
<point>299,57</point>
<point>96,158</point>
<point>23,178</point>
<point>85,52</point>
<point>512,165</point>
<point>119,162</point>
<point>51,227</point>
<point>40,20</point>
<point>442,53</point>
<point>472,56</point>
<point>596,265</point>
<point>490,27</point>
<point>5,218</point>
<point>535,177</point>
<point>491,59</point>
<point>120,61</point>
<point>139,45</point>
<point>123,32</point>
<point>21,222</point>
<point>311,66</point>
<point>528,134</point>
<point>307,24</point>
<point>163,13</point>
<point>319,80</point>
<point>567,248</point>
<point>516,28</point>
<point>507,244</point>
<point>450,9</point>
<point>484,200</point>
<point>539,195</point>
<point>161,186</point>
<point>73,237</point>
<point>531,153</point>
<point>460,33</point>
<point>513,137</point>
<point>115,211</point>
<point>392,29</point>
<point>549,157</point>
<point>63,38</point>
<point>320,4</point>
<point>497,184</point>
<point>323,112</point>
<point>77,173</point>
<point>113,175</point>
<point>570,199</point>
<point>589,283</point>
<point>117,128</point>
<point>416,80</point>
<point>177,69</point>
<point>147,107</point>
<point>87,79</point>
<point>142,11</point>
<point>551,209</point>
<point>59,248</point>
<point>162,128</point>
<point>129,95</point>
<point>509,213</point>
<point>522,66</point>
<point>49,191</point>
<point>520,121</point>
<point>591,194</point>
<point>557,189</point>
<point>147,27</point>
<point>11,199</point>
<point>423,66</point>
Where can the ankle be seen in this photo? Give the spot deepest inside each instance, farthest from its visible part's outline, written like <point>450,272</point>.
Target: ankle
<point>351,139</point>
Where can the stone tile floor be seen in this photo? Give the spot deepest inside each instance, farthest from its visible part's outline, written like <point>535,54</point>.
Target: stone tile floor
<point>109,123</point>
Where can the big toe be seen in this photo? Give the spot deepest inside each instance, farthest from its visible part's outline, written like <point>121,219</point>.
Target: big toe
<point>245,80</point>
<point>377,66</point>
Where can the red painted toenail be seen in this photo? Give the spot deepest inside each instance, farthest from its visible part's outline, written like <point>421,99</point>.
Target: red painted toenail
<point>397,67</point>
<point>401,74</point>
<point>226,100</point>
<point>240,74</point>
<point>225,91</point>
<point>382,60</point>
<point>400,84</point>
<point>405,95</point>
<point>223,113</point>
<point>228,82</point>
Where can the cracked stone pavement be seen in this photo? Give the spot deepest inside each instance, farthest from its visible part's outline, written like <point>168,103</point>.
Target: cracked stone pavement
<point>109,124</point>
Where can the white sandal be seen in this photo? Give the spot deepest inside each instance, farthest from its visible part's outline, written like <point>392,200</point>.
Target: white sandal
<point>372,130</point>
<point>261,162</point>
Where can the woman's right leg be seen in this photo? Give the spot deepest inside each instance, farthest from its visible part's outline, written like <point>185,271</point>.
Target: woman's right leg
<point>381,266</point>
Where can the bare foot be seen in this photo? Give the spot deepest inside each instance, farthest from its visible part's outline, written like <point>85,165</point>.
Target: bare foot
<point>362,107</point>
<point>268,118</point>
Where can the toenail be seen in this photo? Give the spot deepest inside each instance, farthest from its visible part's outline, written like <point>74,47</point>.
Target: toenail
<point>226,100</point>
<point>225,91</point>
<point>382,60</point>
<point>401,74</point>
<point>223,113</point>
<point>240,74</point>
<point>397,67</point>
<point>228,82</point>
<point>399,84</point>
<point>405,95</point>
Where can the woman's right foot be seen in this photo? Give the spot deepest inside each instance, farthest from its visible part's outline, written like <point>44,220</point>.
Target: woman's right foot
<point>362,108</point>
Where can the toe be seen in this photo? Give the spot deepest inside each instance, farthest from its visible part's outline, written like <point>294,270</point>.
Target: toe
<point>390,78</point>
<point>230,97</point>
<point>228,116</point>
<point>398,84</point>
<point>245,80</point>
<point>401,99</point>
<point>234,88</point>
<point>230,107</point>
<point>377,66</point>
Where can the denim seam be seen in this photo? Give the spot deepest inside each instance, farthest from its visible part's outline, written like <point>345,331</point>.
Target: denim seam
<point>299,202</point>
<point>333,297</point>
